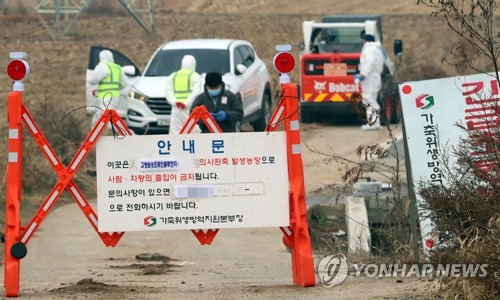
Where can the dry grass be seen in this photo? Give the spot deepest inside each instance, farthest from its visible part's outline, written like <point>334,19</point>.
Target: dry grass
<point>466,215</point>
<point>476,249</point>
<point>323,222</point>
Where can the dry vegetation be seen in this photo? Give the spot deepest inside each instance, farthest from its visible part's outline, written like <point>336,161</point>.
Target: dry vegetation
<point>466,216</point>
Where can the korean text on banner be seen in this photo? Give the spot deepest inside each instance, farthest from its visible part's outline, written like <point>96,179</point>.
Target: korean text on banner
<point>172,182</point>
<point>432,109</point>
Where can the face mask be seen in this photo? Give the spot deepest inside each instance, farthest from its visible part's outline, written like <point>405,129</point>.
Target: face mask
<point>214,93</point>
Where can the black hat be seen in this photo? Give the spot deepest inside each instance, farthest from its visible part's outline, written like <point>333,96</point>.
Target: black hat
<point>213,79</point>
<point>369,38</point>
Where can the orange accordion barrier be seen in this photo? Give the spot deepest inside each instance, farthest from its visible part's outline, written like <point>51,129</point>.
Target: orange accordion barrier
<point>295,237</point>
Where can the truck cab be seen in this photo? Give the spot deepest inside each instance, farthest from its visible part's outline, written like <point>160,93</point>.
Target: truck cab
<point>329,60</point>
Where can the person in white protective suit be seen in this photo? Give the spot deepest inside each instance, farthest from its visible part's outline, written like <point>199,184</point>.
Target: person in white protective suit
<point>110,79</point>
<point>370,70</point>
<point>182,88</point>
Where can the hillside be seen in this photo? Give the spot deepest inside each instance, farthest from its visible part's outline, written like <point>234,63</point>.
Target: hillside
<point>263,23</point>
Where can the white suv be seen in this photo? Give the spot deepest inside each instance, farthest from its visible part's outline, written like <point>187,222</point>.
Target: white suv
<point>244,74</point>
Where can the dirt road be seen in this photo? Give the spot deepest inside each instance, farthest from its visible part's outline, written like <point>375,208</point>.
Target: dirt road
<point>340,139</point>
<point>67,260</point>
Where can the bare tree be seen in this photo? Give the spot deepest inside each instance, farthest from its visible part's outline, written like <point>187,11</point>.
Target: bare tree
<point>474,22</point>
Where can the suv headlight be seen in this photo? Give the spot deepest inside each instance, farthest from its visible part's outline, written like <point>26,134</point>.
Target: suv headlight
<point>138,96</point>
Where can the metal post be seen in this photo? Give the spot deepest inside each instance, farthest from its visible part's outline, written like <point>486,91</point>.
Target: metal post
<point>411,195</point>
<point>151,17</point>
<point>58,19</point>
<point>134,15</point>
<point>66,7</point>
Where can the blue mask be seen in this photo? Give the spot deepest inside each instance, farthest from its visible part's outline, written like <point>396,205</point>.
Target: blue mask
<point>214,93</point>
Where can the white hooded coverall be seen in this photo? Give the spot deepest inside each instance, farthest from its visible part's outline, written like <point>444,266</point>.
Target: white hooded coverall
<point>371,66</point>
<point>179,116</point>
<point>100,72</point>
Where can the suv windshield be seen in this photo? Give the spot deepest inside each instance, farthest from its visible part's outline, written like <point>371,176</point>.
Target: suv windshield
<point>166,62</point>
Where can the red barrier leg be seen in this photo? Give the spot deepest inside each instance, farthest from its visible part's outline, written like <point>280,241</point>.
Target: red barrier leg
<point>297,234</point>
<point>14,249</point>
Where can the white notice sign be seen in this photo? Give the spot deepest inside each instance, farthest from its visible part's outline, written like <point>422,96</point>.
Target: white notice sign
<point>432,109</point>
<point>194,181</point>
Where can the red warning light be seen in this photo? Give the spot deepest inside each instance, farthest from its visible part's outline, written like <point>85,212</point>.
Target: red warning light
<point>429,243</point>
<point>284,62</point>
<point>17,69</point>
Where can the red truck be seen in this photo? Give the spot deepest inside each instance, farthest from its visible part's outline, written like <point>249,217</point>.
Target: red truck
<point>328,62</point>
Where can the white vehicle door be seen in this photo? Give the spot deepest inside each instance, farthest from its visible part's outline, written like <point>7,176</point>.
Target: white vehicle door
<point>133,73</point>
<point>246,70</point>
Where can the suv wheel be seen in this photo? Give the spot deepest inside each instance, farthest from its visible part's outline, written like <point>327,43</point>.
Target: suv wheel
<point>265,114</point>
